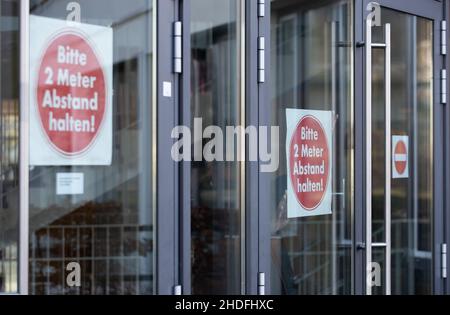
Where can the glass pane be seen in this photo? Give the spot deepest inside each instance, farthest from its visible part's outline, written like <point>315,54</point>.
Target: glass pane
<point>216,93</point>
<point>412,122</point>
<point>312,67</point>
<point>9,144</point>
<point>378,143</point>
<point>91,202</point>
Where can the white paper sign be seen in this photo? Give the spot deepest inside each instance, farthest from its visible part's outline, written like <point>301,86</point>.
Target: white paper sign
<point>69,183</point>
<point>309,151</point>
<point>70,93</point>
<point>400,157</point>
<point>167,89</point>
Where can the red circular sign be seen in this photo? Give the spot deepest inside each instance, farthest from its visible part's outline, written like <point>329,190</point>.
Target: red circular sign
<point>71,93</point>
<point>309,162</point>
<point>400,157</point>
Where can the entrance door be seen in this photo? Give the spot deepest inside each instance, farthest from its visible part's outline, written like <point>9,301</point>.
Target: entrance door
<point>91,206</point>
<point>403,206</point>
<point>212,188</point>
<point>312,76</point>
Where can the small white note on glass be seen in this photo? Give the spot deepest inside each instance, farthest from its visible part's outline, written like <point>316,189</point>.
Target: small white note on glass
<point>167,89</point>
<point>69,184</point>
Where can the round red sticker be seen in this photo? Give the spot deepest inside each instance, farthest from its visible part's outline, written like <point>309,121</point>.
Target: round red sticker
<point>309,162</point>
<point>400,157</point>
<point>71,93</point>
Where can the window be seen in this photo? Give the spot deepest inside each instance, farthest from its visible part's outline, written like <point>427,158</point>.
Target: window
<point>98,215</point>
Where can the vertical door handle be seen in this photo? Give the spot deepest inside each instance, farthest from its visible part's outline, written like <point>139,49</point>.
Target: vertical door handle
<point>388,150</point>
<point>388,155</point>
<point>368,157</point>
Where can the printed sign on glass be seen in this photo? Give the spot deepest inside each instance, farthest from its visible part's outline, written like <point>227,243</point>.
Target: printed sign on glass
<point>70,93</point>
<point>309,152</point>
<point>400,157</point>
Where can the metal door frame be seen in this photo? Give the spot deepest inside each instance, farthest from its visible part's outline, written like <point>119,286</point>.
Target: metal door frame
<point>446,221</point>
<point>255,225</point>
<point>166,192</point>
<point>432,10</point>
<point>263,101</point>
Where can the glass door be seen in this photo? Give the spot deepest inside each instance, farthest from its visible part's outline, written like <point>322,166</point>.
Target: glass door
<point>217,184</point>
<point>402,135</point>
<point>91,208</point>
<point>311,102</point>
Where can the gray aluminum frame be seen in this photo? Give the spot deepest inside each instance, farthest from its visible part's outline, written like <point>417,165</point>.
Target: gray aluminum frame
<point>167,190</point>
<point>446,221</point>
<point>264,103</point>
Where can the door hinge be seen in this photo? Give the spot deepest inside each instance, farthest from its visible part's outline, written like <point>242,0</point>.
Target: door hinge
<point>444,261</point>
<point>261,60</point>
<point>444,37</point>
<point>444,86</point>
<point>177,290</point>
<point>261,283</point>
<point>261,8</point>
<point>177,47</point>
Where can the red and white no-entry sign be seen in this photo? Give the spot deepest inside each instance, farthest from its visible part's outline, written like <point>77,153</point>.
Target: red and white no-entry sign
<point>309,151</point>
<point>400,157</point>
<point>70,93</point>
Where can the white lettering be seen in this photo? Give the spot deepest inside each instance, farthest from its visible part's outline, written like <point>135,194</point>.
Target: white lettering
<point>67,55</point>
<point>309,186</point>
<point>309,134</point>
<point>65,78</point>
<point>70,124</point>
<point>311,152</point>
<point>53,100</point>
<point>308,169</point>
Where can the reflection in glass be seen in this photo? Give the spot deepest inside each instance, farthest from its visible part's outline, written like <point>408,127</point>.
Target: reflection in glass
<point>312,66</point>
<point>216,186</point>
<point>109,229</point>
<point>9,144</point>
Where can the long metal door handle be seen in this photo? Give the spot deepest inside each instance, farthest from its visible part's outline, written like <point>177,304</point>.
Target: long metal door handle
<point>388,155</point>
<point>368,149</point>
<point>388,150</point>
